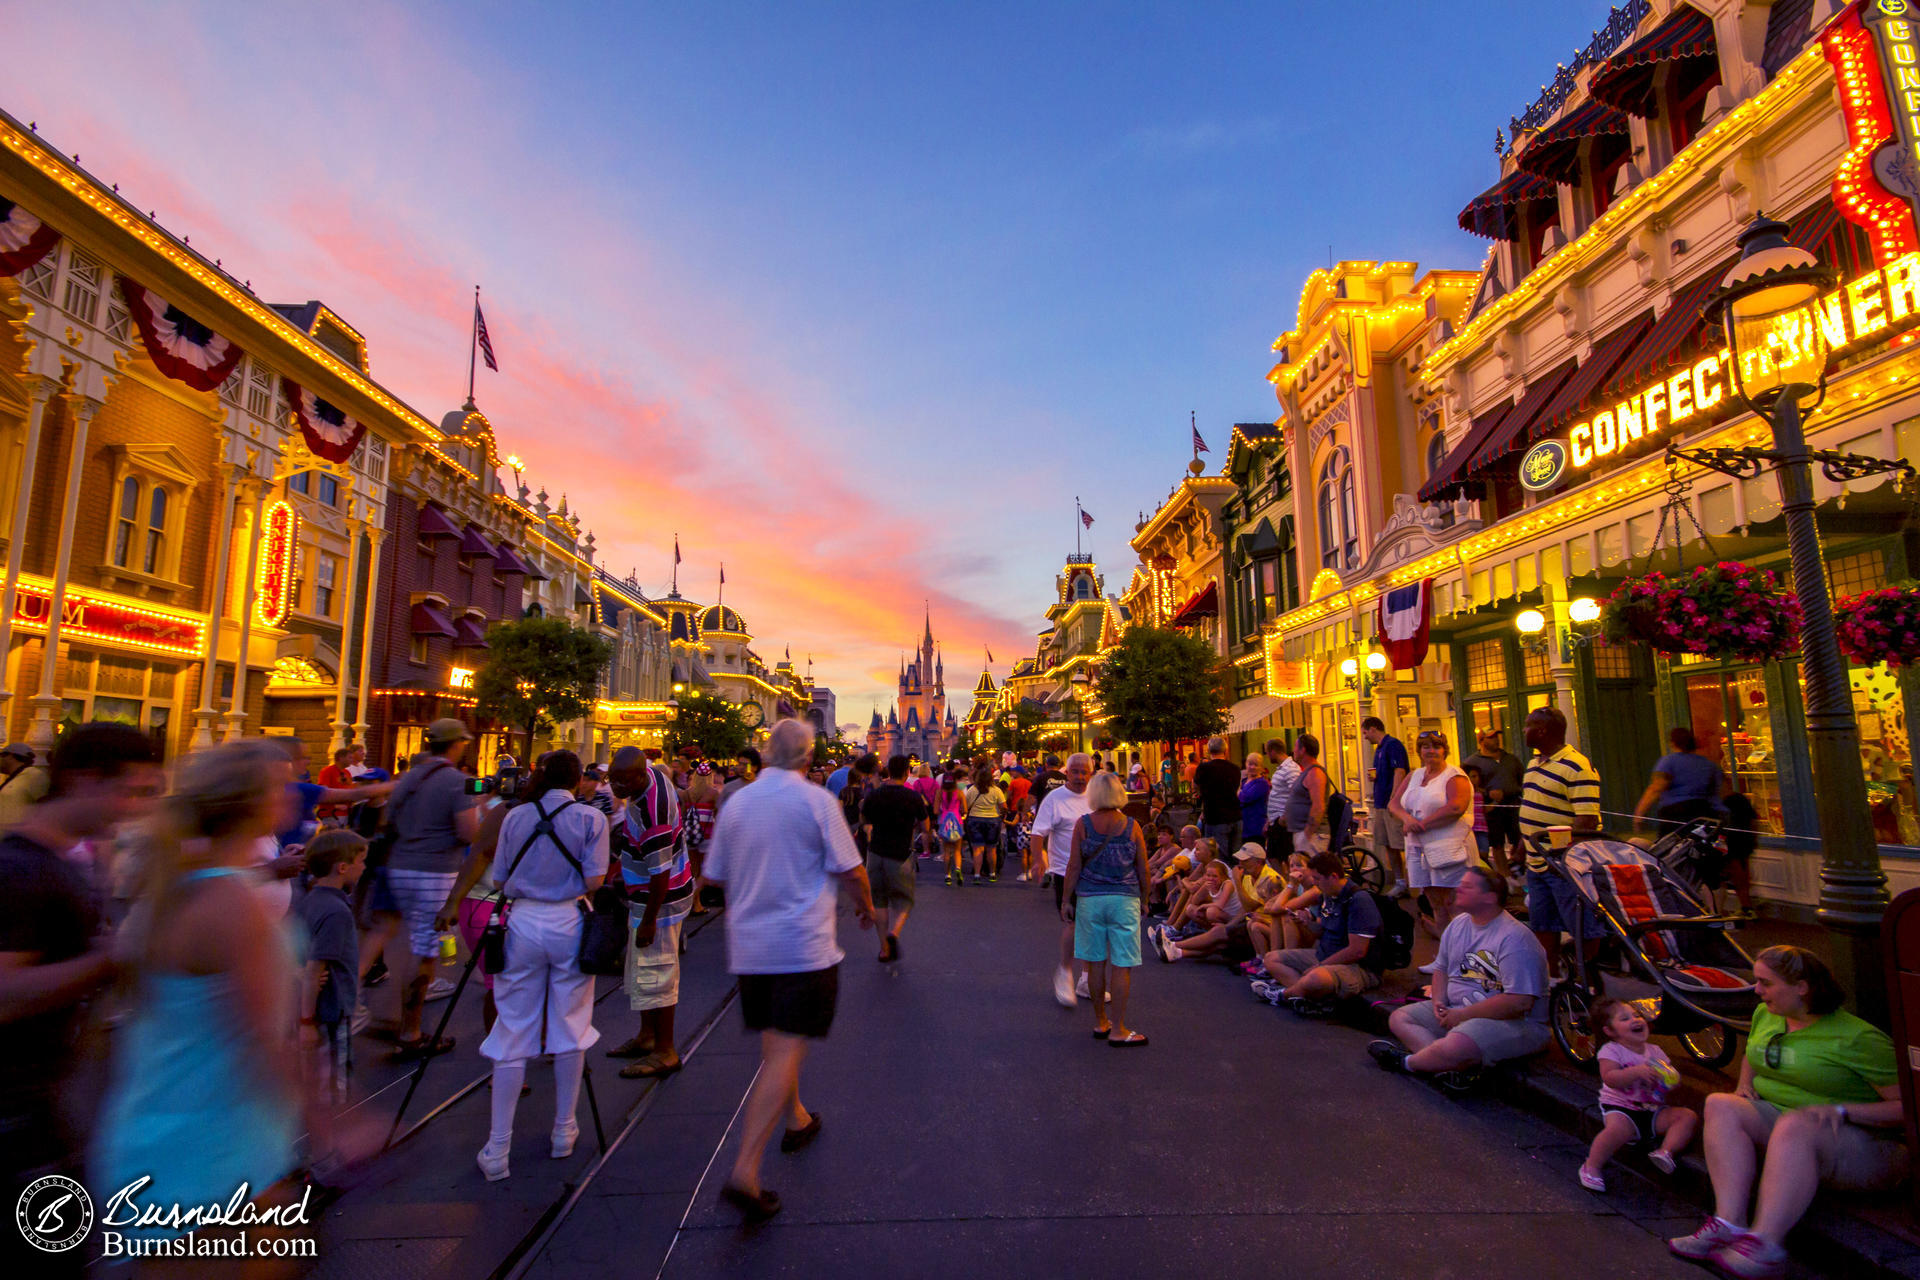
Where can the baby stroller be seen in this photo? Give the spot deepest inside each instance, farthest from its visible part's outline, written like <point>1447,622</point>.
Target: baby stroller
<point>1676,959</point>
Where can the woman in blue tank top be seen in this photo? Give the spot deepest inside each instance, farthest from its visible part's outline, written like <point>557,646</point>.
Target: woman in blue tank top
<point>1106,890</point>
<point>205,1092</point>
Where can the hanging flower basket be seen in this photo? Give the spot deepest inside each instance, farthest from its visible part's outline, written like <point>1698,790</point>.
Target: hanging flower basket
<point>1727,610</point>
<point>1882,625</point>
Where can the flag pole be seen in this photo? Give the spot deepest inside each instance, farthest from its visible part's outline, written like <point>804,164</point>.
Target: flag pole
<point>1078,523</point>
<point>473,346</point>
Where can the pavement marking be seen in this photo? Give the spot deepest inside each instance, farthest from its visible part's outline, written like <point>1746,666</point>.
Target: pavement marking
<point>702,1184</point>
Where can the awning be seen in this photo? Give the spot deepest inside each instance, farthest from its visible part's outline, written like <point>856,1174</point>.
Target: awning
<point>1672,335</point>
<point>473,543</point>
<point>1495,213</point>
<point>1626,80</point>
<point>1554,152</point>
<point>1201,605</point>
<point>430,619</point>
<point>1452,472</point>
<point>1538,396</point>
<point>1601,362</point>
<point>470,632</point>
<point>507,560</point>
<point>433,523</point>
<point>1246,714</point>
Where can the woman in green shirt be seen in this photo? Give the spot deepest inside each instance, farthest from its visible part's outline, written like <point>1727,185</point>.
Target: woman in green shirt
<point>1819,1093</point>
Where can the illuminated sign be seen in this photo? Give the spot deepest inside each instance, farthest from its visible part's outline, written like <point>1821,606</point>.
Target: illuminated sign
<point>460,678</point>
<point>1543,466</point>
<point>1875,52</point>
<point>278,545</point>
<point>1286,679</point>
<point>1869,307</point>
<point>85,617</point>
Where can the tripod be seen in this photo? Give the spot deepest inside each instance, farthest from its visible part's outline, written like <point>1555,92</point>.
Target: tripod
<point>446,1016</point>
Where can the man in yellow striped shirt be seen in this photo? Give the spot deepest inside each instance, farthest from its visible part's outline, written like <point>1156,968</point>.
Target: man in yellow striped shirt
<point>1560,789</point>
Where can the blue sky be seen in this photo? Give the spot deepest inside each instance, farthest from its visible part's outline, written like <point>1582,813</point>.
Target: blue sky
<point>854,297</point>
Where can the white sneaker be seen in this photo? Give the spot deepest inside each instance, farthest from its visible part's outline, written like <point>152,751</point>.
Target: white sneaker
<point>493,1166</point>
<point>1399,889</point>
<point>362,1019</point>
<point>1080,988</point>
<point>1170,949</point>
<point>440,989</point>
<point>1429,968</point>
<point>563,1140</point>
<point>1063,987</point>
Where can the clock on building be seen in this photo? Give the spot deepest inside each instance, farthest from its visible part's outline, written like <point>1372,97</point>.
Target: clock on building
<point>753,714</point>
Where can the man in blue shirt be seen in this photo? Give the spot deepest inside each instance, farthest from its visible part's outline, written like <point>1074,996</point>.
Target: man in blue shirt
<point>837,780</point>
<point>1389,766</point>
<point>1336,968</point>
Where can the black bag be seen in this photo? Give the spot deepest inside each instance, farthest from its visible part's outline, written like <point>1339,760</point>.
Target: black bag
<point>1393,948</point>
<point>603,926</point>
<point>493,941</point>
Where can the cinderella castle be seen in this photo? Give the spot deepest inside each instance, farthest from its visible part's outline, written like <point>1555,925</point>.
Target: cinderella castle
<point>919,724</point>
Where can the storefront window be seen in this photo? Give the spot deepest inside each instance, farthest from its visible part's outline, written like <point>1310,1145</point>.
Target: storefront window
<point>1486,667</point>
<point>1535,666</point>
<point>1729,714</point>
<point>1488,717</point>
<point>1886,754</point>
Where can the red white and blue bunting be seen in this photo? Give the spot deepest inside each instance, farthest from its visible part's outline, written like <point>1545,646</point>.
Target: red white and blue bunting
<point>181,347</point>
<point>24,239</point>
<point>328,431</point>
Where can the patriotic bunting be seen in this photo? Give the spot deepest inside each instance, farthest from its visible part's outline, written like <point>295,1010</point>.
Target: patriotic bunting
<point>24,239</point>
<point>1405,619</point>
<point>328,431</point>
<point>181,347</point>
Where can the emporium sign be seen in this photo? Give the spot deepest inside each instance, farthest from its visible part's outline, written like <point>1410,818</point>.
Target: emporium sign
<point>1871,307</point>
<point>86,617</point>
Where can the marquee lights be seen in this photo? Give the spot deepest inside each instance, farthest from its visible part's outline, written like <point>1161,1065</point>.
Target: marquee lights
<point>278,545</point>
<point>1865,55</point>
<point>108,619</point>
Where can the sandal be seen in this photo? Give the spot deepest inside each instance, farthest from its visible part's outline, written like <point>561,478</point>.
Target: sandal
<point>651,1066</point>
<point>1132,1040</point>
<point>754,1208</point>
<point>1101,1033</point>
<point>638,1047</point>
<point>416,1049</point>
<point>799,1139</point>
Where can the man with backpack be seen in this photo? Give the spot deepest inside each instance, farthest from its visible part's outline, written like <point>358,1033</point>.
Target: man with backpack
<point>1347,958</point>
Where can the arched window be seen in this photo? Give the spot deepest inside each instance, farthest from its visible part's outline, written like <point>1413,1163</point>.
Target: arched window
<point>1339,523</point>
<point>156,530</point>
<point>123,528</point>
<point>1436,454</point>
<point>1289,567</point>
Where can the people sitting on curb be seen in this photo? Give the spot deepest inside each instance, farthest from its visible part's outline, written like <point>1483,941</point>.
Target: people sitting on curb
<point>1251,881</point>
<point>1819,1095</point>
<point>1348,920</point>
<point>1634,1079</point>
<point>1489,991</point>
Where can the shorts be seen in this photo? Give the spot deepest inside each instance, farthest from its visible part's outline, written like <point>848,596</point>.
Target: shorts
<point>1348,979</point>
<point>1106,929</point>
<point>891,880</point>
<point>652,977</point>
<point>1388,832</point>
<point>474,915</point>
<point>1422,875</point>
<point>983,831</point>
<point>795,1004</point>
<point>1498,1039</point>
<point>419,896</point>
<point>1481,842</point>
<point>1644,1133</point>
<point>1503,825</point>
<point>1864,1159</point>
<point>1553,905</point>
<point>1309,844</point>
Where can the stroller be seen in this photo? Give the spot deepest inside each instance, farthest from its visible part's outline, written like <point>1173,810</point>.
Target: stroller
<point>1676,959</point>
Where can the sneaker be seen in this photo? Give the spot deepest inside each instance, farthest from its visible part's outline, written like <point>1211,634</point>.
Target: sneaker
<point>1391,1055</point>
<point>377,973</point>
<point>493,1166</point>
<point>362,1019</point>
<point>1701,1245</point>
<point>1080,988</point>
<point>1465,1080</point>
<point>1429,967</point>
<point>1399,889</point>
<point>563,1140</point>
<point>1267,990</point>
<point>993,877</point>
<point>1063,987</point>
<point>440,989</point>
<point>1662,1160</point>
<point>1311,1008</point>
<point>976,877</point>
<point>1592,1181</point>
<point>1170,949</point>
<point>1749,1256</point>
<point>1021,878</point>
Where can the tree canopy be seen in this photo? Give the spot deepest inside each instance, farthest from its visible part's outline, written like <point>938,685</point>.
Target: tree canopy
<point>710,724</point>
<point>540,673</point>
<point>1023,734</point>
<point>1162,686</point>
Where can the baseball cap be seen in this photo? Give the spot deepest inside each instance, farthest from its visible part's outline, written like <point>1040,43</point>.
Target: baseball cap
<point>1249,851</point>
<point>18,750</point>
<point>442,732</point>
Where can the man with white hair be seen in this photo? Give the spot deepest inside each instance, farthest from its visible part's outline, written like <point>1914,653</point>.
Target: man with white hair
<point>1052,840</point>
<point>783,851</point>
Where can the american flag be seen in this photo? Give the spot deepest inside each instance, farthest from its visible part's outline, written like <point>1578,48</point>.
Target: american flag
<point>480,333</point>
<point>1199,445</point>
<point>1086,519</point>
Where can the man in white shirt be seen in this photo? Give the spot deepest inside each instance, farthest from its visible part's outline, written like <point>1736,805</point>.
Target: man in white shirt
<point>783,851</point>
<point>1053,840</point>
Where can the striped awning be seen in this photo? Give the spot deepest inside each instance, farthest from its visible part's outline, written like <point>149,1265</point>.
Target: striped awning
<point>1451,475</point>
<point>1554,152</point>
<point>1626,80</point>
<point>1501,441</point>
<point>1495,212</point>
<point>1604,359</point>
<point>1676,333</point>
<point>429,619</point>
<point>1246,714</point>
<point>1203,604</point>
<point>433,523</point>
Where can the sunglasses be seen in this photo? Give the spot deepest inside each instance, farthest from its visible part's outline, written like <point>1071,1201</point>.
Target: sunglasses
<point>1772,1051</point>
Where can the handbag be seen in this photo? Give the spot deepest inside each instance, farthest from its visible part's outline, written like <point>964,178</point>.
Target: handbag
<point>603,924</point>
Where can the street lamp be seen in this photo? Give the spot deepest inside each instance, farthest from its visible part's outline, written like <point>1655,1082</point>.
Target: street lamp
<point>1079,681</point>
<point>1779,357</point>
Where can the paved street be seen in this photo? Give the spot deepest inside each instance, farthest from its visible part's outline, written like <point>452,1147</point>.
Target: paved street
<point>972,1125</point>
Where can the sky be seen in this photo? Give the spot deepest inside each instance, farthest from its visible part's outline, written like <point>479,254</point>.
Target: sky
<point>854,298</point>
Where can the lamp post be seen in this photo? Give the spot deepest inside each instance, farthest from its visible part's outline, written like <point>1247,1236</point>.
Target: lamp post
<point>1779,357</point>
<point>1079,681</point>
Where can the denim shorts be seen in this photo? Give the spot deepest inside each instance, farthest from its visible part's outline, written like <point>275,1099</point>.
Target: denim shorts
<point>983,831</point>
<point>1553,905</point>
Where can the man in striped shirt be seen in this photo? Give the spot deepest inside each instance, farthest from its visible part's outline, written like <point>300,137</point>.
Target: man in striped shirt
<point>653,864</point>
<point>1560,789</point>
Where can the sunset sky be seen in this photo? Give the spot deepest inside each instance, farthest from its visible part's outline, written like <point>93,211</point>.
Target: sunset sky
<point>856,298</point>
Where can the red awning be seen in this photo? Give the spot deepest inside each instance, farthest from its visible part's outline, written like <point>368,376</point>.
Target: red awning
<point>1626,80</point>
<point>510,561</point>
<point>1604,359</point>
<point>1554,152</point>
<point>1675,334</point>
<point>1452,472</point>
<point>470,632</point>
<point>474,543</point>
<point>430,619</point>
<point>1501,440</point>
<point>433,523</point>
<point>1495,213</point>
<point>1201,605</point>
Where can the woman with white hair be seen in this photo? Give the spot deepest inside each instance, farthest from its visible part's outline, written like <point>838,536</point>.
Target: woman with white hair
<point>1106,892</point>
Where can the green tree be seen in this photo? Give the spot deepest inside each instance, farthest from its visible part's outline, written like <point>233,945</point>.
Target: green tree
<point>1161,686</point>
<point>708,723</point>
<point>1018,729</point>
<point>540,673</point>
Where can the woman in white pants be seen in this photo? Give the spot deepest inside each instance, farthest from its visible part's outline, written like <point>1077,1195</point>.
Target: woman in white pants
<point>552,851</point>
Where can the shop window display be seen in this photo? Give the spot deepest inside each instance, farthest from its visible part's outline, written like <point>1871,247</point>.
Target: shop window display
<point>1728,712</point>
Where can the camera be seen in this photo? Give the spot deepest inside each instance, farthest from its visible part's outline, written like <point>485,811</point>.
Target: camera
<point>506,784</point>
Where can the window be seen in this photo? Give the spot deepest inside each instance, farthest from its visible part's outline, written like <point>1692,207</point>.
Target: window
<point>82,297</point>
<point>1541,219</point>
<point>300,482</point>
<point>123,527</point>
<point>329,494</point>
<point>1612,662</point>
<point>1339,525</point>
<point>1687,108</point>
<point>1535,665</point>
<point>417,651</point>
<point>1486,666</point>
<point>107,686</point>
<point>1289,585</point>
<point>1436,454</point>
<point>1607,161</point>
<point>325,567</point>
<point>1862,571</point>
<point>1729,713</point>
<point>151,562</point>
<point>144,515</point>
<point>261,392</point>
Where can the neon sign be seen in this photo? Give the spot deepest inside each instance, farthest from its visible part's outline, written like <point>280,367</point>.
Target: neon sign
<point>88,617</point>
<point>1875,52</point>
<point>278,543</point>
